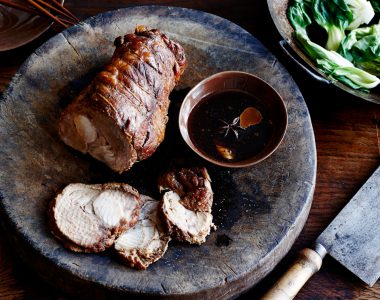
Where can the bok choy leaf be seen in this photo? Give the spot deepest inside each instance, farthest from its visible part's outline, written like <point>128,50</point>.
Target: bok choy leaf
<point>331,63</point>
<point>362,47</point>
<point>334,16</point>
<point>362,13</point>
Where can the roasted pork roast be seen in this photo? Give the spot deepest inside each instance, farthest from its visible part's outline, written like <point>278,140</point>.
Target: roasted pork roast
<point>120,118</point>
<point>147,241</point>
<point>186,207</point>
<point>88,218</point>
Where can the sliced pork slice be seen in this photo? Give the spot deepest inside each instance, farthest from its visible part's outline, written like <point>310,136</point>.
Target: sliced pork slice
<point>184,224</point>
<point>147,241</point>
<point>88,218</point>
<point>192,185</point>
<point>120,117</point>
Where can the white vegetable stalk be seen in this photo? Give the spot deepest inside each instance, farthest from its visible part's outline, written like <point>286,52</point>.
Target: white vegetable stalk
<point>362,11</point>
<point>335,36</point>
<point>332,63</point>
<point>358,76</point>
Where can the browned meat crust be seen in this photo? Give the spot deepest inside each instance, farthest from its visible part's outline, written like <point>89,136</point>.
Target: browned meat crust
<point>121,116</point>
<point>192,185</point>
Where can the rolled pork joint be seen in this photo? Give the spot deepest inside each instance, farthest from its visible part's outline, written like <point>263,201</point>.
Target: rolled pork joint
<point>186,206</point>
<point>120,118</point>
<point>193,185</point>
<point>147,241</point>
<point>88,218</point>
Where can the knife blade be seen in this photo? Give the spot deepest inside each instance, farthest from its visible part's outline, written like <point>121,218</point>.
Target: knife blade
<point>352,238</point>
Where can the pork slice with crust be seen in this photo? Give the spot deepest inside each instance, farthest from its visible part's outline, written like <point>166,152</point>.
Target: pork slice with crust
<point>88,218</point>
<point>186,206</point>
<point>184,224</point>
<point>147,241</point>
<point>193,185</point>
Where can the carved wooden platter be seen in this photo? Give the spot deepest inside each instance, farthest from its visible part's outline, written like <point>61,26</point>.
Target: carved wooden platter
<point>259,210</point>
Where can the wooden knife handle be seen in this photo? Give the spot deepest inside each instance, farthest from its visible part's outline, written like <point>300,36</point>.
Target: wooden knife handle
<point>288,286</point>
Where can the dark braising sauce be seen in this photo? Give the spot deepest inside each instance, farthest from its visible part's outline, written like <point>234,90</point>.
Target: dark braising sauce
<point>216,126</point>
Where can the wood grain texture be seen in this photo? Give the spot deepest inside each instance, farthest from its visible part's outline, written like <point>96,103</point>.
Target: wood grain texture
<point>246,200</point>
<point>288,286</point>
<point>10,287</point>
<point>19,27</point>
<point>347,136</point>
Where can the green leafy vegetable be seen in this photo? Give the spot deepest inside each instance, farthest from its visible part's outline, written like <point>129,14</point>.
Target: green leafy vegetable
<point>298,16</point>
<point>330,62</point>
<point>375,5</point>
<point>337,67</point>
<point>334,16</point>
<point>362,47</point>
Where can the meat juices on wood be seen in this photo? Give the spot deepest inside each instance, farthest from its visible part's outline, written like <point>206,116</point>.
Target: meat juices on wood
<point>120,118</point>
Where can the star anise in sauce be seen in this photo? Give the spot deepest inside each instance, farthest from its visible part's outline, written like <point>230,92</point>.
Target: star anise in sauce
<point>231,127</point>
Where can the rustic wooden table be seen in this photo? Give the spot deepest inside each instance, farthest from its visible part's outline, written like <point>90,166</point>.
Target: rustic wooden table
<point>347,132</point>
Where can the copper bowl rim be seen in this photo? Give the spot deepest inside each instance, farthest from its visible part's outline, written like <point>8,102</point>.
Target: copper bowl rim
<point>238,164</point>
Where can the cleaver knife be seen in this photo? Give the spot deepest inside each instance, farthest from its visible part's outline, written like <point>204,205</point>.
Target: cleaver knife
<point>352,238</point>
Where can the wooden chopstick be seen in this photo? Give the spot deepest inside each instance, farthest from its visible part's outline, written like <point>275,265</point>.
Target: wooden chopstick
<point>38,7</point>
<point>66,10</point>
<point>62,12</point>
<point>68,22</point>
<point>45,12</point>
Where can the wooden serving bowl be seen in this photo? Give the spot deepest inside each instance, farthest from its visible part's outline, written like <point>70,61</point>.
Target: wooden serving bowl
<point>19,28</point>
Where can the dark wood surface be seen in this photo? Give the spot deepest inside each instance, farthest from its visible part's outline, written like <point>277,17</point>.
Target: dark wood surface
<point>246,200</point>
<point>347,134</point>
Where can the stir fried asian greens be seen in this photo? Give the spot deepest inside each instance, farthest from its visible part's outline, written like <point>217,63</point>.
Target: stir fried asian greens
<point>352,52</point>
